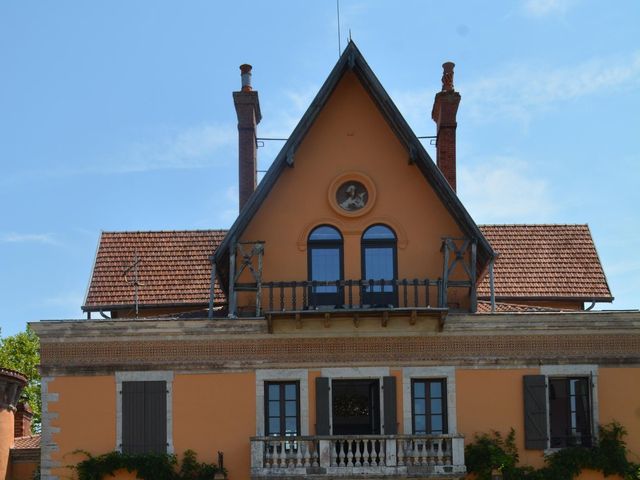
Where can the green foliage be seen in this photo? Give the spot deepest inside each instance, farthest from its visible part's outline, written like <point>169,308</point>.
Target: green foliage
<point>148,466</point>
<point>21,352</point>
<point>491,452</point>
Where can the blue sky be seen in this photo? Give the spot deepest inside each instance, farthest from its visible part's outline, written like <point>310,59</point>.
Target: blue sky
<point>118,116</point>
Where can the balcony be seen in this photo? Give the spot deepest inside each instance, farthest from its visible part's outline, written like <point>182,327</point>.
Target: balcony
<point>356,456</point>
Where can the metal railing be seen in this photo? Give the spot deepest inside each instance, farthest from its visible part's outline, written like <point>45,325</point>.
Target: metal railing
<point>387,455</point>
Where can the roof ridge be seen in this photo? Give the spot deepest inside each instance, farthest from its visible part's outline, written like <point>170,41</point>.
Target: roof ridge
<point>533,225</point>
<point>198,230</point>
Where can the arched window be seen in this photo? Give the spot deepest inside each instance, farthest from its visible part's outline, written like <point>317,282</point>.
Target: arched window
<point>379,252</point>
<point>325,260</point>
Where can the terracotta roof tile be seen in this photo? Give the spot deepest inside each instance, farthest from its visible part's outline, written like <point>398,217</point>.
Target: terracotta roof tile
<point>31,441</point>
<point>174,268</point>
<point>545,261</point>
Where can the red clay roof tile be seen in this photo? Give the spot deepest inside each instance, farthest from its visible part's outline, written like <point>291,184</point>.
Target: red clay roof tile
<point>545,261</point>
<point>174,268</point>
<point>31,441</point>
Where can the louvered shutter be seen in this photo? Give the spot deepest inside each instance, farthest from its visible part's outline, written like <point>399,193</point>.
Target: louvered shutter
<point>389,395</point>
<point>322,406</point>
<point>155,425</point>
<point>133,417</point>
<point>535,412</point>
<point>144,417</point>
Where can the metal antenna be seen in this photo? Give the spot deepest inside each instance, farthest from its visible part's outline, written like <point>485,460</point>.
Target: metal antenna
<point>339,44</point>
<point>135,282</point>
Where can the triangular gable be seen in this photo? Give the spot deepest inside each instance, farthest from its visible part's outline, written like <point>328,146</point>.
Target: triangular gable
<point>352,60</point>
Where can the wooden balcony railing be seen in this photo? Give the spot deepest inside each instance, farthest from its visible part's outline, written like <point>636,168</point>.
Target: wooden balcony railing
<point>288,296</point>
<point>386,455</point>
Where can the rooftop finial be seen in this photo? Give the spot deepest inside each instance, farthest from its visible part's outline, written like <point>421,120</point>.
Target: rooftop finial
<point>447,76</point>
<point>245,74</point>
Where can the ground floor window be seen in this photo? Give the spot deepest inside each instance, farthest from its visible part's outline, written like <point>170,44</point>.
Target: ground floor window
<point>282,408</point>
<point>429,406</point>
<point>569,412</point>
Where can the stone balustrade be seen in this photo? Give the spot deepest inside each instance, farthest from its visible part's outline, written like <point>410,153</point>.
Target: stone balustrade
<point>437,456</point>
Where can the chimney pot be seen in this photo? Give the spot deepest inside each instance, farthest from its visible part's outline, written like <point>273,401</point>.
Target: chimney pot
<point>245,75</point>
<point>447,76</point>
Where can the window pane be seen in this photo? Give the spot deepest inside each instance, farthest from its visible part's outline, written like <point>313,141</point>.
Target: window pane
<point>274,426</point>
<point>325,266</point>
<point>436,405</point>
<point>378,266</point>
<point>436,389</point>
<point>325,233</point>
<point>419,406</point>
<point>418,389</point>
<point>291,425</point>
<point>420,424</point>
<point>290,392</point>
<point>274,409</point>
<point>290,408</point>
<point>379,232</point>
<point>436,424</point>
<point>274,392</point>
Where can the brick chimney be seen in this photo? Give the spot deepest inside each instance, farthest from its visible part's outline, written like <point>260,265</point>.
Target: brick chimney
<point>22,420</point>
<point>248,112</point>
<point>445,108</point>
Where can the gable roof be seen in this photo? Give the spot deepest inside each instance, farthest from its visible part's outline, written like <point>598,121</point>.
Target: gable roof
<point>174,269</point>
<point>352,60</point>
<point>545,262</point>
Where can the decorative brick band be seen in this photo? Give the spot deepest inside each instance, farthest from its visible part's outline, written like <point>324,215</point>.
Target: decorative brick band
<point>231,353</point>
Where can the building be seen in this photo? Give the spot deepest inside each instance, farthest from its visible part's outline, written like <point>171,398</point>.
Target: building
<point>19,449</point>
<point>354,320</point>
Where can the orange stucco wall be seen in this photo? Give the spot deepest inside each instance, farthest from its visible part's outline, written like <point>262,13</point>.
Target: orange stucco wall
<point>313,374</point>
<point>86,410</point>
<point>490,400</point>
<point>619,399</point>
<point>349,135</point>
<point>6,439</point>
<point>216,412</point>
<point>22,471</point>
<point>211,413</point>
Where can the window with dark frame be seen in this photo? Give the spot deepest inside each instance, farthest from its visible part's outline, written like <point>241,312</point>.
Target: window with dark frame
<point>282,409</point>
<point>379,263</point>
<point>429,406</point>
<point>325,264</point>
<point>144,417</point>
<point>570,412</point>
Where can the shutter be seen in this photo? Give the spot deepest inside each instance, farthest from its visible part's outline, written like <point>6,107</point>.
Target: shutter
<point>389,395</point>
<point>535,412</point>
<point>155,424</point>
<point>133,417</point>
<point>322,406</point>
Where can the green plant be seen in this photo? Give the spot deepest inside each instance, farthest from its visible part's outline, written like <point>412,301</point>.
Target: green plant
<point>490,452</point>
<point>148,466</point>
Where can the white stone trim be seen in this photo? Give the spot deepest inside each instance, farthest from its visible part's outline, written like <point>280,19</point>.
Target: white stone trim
<point>577,370</point>
<point>47,445</point>
<point>447,373</point>
<point>150,376</point>
<point>275,375</point>
<point>356,373</point>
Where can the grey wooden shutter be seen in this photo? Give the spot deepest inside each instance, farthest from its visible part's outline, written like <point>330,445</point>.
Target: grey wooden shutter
<point>144,417</point>
<point>535,412</point>
<point>155,425</point>
<point>322,406</point>
<point>389,395</point>
<point>133,417</point>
